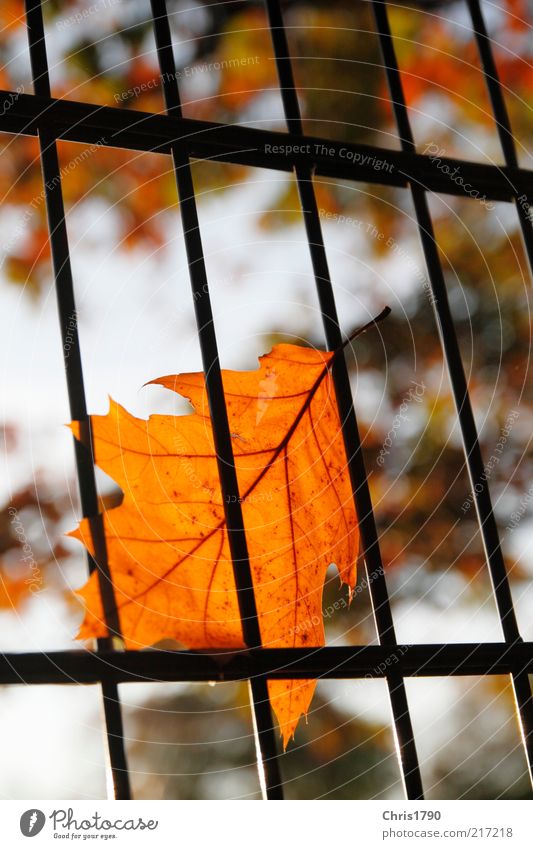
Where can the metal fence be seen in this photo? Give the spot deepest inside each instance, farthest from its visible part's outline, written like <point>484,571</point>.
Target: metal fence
<point>181,138</point>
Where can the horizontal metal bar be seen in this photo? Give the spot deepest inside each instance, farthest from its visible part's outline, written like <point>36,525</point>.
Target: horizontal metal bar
<point>424,660</point>
<point>142,131</point>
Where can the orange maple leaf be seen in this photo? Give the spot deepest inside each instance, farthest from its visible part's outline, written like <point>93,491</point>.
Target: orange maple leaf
<point>167,542</point>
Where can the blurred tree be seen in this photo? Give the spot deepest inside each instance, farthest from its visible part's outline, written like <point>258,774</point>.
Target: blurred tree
<point>32,549</point>
<point>198,744</point>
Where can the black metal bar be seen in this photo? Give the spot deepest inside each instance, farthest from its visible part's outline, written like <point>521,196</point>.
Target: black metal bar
<point>76,392</point>
<point>266,740</point>
<point>407,753</point>
<point>330,662</point>
<point>503,123</point>
<point>521,684</point>
<point>143,131</point>
<point>492,81</point>
<point>450,345</point>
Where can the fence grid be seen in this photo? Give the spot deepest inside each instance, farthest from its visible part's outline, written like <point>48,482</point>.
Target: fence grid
<point>184,139</point>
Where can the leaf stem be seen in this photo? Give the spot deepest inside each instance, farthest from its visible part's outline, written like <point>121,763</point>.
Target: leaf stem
<point>360,330</point>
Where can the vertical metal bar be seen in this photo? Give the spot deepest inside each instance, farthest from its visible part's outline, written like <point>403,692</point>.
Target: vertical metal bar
<point>501,117</point>
<point>450,345</point>
<point>407,753</point>
<point>76,393</point>
<point>522,687</point>
<point>269,771</point>
<point>492,81</point>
